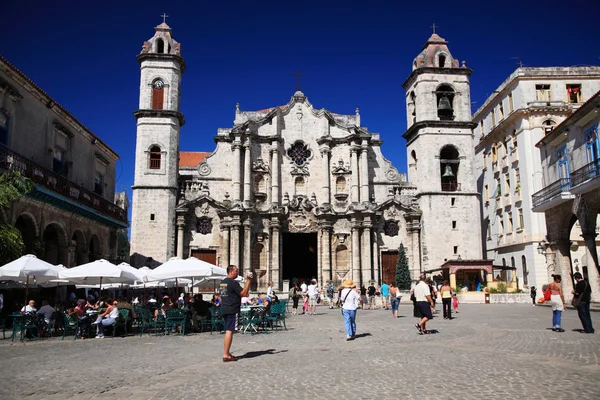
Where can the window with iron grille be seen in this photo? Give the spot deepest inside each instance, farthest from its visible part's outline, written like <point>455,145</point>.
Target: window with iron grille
<point>155,156</point>
<point>204,226</point>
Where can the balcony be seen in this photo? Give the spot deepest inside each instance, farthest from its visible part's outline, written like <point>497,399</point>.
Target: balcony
<point>586,178</point>
<point>71,196</point>
<point>552,195</point>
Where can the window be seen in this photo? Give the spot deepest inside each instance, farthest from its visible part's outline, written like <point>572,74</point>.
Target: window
<point>486,193</point>
<point>453,224</point>
<point>484,161</point>
<point>514,139</point>
<point>204,225</point>
<point>548,126</point>
<point>445,99</point>
<point>525,270</point>
<point>512,271</point>
<point>574,94</point>
<point>455,249</point>
<point>99,183</point>
<point>481,127</point>
<point>494,154</point>
<point>498,191</point>
<point>489,231</point>
<point>158,94</point>
<point>3,128</point>
<point>500,111</point>
<point>58,161</point>
<point>517,176</point>
<point>155,156</point>
<point>151,217</point>
<point>299,153</point>
<point>452,201</point>
<point>562,154</point>
<point>449,163</point>
<point>260,185</point>
<point>511,105</point>
<point>160,46</point>
<point>500,225</point>
<point>510,222</point>
<point>591,143</point>
<point>542,92</point>
<point>521,225</point>
<point>340,184</point>
<point>299,186</point>
<point>493,116</point>
<point>507,183</point>
<point>442,61</point>
<point>391,228</point>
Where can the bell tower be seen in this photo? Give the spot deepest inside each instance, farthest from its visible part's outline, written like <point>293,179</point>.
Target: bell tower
<point>159,121</point>
<point>440,149</point>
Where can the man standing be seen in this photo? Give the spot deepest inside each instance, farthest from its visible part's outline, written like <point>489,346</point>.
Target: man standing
<point>371,292</point>
<point>424,304</point>
<point>385,295</point>
<point>330,293</point>
<point>583,292</point>
<point>313,292</point>
<point>231,301</point>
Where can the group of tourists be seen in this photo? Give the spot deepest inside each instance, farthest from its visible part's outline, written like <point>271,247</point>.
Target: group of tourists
<point>581,301</point>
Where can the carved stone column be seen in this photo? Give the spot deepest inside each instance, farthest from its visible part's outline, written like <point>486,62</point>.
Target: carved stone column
<point>366,254</point>
<point>247,173</point>
<point>236,178</point>
<point>247,246</point>
<point>319,256</point>
<point>364,172</point>
<point>274,174</point>
<point>354,196</point>
<point>356,254</point>
<point>180,234</point>
<point>225,246</point>
<point>375,257</point>
<point>592,267</point>
<point>326,177</point>
<point>234,243</point>
<point>326,256</point>
<point>275,254</point>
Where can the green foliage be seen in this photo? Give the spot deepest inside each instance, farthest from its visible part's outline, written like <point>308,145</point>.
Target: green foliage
<point>403,280</point>
<point>502,287</point>
<point>13,186</point>
<point>494,291</point>
<point>11,244</point>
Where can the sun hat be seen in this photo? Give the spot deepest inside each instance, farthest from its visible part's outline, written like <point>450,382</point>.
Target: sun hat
<point>348,283</point>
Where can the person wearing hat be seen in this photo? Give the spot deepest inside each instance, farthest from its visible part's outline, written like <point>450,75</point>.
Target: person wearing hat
<point>349,298</point>
<point>557,300</point>
<point>583,295</point>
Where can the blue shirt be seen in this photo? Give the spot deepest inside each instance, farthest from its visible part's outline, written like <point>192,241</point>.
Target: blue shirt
<point>385,290</point>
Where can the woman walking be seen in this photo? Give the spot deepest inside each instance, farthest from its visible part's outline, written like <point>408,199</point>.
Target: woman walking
<point>349,298</point>
<point>295,292</point>
<point>446,292</point>
<point>558,303</point>
<point>394,300</point>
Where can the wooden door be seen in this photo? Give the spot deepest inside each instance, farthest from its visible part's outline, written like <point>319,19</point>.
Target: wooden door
<point>210,256</point>
<point>388,266</point>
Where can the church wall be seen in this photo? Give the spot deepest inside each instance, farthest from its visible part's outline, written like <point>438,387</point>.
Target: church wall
<point>220,165</point>
<point>164,133</point>
<point>198,240</point>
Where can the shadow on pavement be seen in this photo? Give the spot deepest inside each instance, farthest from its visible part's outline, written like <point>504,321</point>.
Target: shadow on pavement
<point>361,335</point>
<point>252,354</point>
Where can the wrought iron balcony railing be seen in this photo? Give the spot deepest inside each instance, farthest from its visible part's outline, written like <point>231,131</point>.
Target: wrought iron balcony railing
<point>587,172</point>
<point>57,183</point>
<point>562,185</point>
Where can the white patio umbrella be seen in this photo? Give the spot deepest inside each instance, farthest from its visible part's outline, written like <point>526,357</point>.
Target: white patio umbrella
<point>205,282</point>
<point>29,266</point>
<point>98,272</point>
<point>191,268</point>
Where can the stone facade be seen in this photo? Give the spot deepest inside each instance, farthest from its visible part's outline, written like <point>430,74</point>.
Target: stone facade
<point>287,171</point>
<point>530,103</point>
<point>70,217</point>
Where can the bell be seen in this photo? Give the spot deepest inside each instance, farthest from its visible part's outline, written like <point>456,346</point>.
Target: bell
<point>448,172</point>
<point>445,109</point>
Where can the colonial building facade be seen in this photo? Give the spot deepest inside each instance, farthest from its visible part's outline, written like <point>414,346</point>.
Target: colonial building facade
<point>70,217</point>
<point>299,192</point>
<point>525,108</point>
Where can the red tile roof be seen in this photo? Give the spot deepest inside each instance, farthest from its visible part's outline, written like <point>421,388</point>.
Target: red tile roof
<point>191,158</point>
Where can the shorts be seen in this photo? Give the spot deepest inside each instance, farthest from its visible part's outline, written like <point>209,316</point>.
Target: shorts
<point>385,299</point>
<point>425,308</point>
<point>229,322</point>
<point>312,300</point>
<point>371,300</point>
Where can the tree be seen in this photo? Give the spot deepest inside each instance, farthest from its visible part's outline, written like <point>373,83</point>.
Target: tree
<point>403,280</point>
<point>13,186</point>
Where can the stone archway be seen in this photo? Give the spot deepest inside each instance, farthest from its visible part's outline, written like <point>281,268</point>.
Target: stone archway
<point>55,244</point>
<point>29,232</point>
<point>79,249</point>
<point>95,248</point>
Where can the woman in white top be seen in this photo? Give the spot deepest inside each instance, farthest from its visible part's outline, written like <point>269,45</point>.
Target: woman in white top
<point>349,298</point>
<point>107,318</point>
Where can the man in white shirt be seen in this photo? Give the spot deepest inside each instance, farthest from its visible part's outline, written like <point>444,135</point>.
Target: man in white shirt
<point>424,304</point>
<point>313,292</point>
<point>350,299</point>
<point>30,307</point>
<point>46,310</point>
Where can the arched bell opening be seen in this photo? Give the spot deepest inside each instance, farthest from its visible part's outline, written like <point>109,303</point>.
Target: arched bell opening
<point>449,164</point>
<point>445,102</point>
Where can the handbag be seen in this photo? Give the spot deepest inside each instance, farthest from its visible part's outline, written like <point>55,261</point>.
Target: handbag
<point>343,301</point>
<point>577,300</point>
<point>547,295</point>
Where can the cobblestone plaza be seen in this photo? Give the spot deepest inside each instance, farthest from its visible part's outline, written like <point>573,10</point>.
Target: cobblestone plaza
<point>488,351</point>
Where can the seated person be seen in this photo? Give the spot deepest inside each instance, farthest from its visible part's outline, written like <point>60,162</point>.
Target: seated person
<point>123,304</point>
<point>216,300</point>
<point>46,310</point>
<point>246,301</point>
<point>79,311</point>
<point>200,310</point>
<point>107,318</point>
<point>30,307</point>
<point>167,304</point>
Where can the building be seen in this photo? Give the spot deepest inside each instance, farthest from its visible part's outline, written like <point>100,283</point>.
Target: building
<point>529,104</point>
<point>570,198</point>
<point>70,218</point>
<point>295,192</point>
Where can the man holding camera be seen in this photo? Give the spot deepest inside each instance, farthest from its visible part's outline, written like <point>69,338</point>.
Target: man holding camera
<point>231,301</point>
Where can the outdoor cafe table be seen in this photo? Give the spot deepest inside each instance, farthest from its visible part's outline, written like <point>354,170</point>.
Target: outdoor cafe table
<point>252,313</point>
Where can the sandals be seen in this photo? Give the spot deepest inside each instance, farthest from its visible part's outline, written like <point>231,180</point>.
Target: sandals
<point>419,329</point>
<point>231,358</point>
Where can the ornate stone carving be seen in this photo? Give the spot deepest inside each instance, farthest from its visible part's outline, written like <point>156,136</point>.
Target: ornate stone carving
<point>301,221</point>
<point>340,169</point>
<point>392,212</point>
<point>299,170</point>
<point>392,174</point>
<point>204,169</point>
<point>391,228</point>
<point>260,166</point>
<point>300,202</point>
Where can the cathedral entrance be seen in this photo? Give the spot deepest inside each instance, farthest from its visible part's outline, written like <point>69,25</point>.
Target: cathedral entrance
<point>299,256</point>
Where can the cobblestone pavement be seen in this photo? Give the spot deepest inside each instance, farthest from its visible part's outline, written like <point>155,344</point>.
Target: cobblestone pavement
<point>488,351</point>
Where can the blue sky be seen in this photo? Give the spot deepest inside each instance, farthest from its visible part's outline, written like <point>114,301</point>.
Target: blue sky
<point>352,54</point>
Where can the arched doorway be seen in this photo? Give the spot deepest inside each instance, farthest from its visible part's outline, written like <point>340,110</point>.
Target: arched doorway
<point>55,245</point>
<point>79,248</point>
<point>95,248</point>
<point>27,226</point>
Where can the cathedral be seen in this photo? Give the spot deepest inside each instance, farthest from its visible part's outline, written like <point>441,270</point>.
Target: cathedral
<point>296,192</point>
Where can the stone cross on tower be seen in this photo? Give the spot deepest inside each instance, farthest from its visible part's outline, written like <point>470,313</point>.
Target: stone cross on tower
<point>164,17</point>
<point>434,26</point>
<point>298,86</point>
